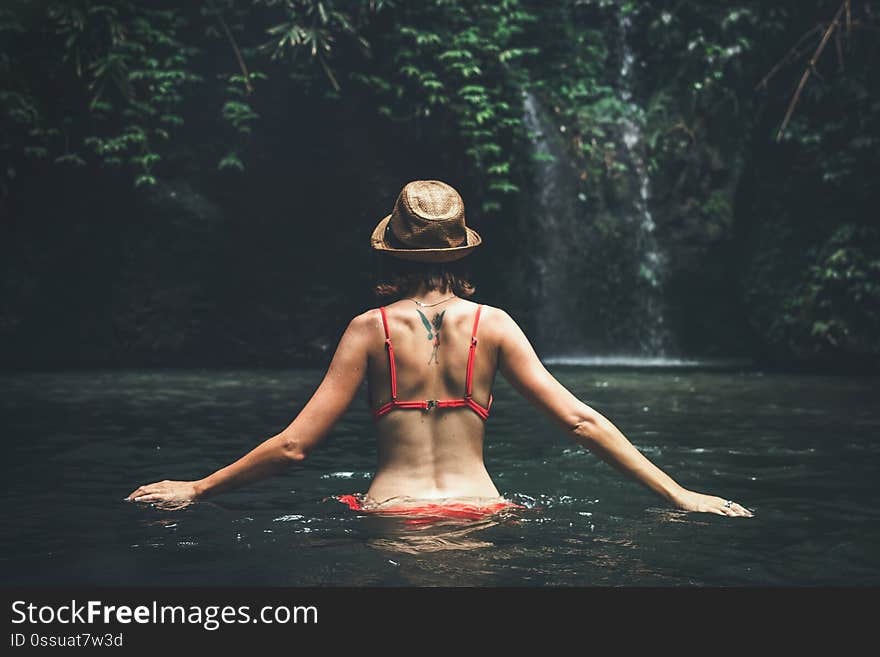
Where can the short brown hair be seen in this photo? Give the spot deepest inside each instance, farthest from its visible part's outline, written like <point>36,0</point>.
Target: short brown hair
<point>398,278</point>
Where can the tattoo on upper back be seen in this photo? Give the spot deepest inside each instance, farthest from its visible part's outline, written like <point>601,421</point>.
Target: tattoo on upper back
<point>433,329</point>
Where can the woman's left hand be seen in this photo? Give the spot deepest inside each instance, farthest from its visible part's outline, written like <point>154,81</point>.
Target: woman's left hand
<point>692,501</point>
<point>177,493</point>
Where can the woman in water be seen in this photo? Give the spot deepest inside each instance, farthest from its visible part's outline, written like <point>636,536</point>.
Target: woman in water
<point>430,359</point>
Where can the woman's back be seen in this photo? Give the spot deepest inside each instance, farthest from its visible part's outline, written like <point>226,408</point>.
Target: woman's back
<point>426,449</point>
<point>430,360</point>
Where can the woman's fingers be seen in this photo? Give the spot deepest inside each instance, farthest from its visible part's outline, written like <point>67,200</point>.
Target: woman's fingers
<point>137,491</point>
<point>151,497</point>
<point>143,490</point>
<point>737,510</point>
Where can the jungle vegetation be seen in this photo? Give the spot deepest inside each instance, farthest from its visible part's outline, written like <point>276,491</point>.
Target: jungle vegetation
<point>166,167</point>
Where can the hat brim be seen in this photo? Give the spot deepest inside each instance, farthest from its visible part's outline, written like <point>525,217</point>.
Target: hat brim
<point>377,241</point>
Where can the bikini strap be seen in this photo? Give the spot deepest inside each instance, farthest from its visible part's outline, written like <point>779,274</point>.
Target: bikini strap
<point>470,364</point>
<point>390,349</point>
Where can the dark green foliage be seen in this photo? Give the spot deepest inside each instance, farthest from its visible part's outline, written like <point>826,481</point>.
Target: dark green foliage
<point>773,245</point>
<point>460,63</point>
<point>834,308</point>
<point>574,75</point>
<point>137,73</point>
<point>123,66</point>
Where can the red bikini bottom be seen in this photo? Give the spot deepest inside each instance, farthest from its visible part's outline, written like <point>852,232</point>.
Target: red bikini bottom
<point>428,512</point>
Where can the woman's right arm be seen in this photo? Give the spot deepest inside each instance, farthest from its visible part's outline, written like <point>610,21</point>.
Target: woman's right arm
<point>521,366</point>
<point>338,388</point>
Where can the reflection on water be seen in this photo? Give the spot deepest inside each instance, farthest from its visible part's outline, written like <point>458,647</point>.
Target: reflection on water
<point>396,535</point>
<point>800,450</point>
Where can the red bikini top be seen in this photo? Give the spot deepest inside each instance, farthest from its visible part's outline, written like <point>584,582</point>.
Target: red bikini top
<point>429,404</point>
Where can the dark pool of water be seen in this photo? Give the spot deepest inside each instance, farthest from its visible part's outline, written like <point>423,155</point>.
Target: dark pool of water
<point>802,451</point>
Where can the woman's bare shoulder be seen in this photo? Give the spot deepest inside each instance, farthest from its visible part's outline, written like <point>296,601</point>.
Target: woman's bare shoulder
<point>496,317</point>
<point>365,324</point>
<point>498,326</point>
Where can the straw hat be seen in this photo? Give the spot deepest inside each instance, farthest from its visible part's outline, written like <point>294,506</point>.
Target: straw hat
<point>427,224</point>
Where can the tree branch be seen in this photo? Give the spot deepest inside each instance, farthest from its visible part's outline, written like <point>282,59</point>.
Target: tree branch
<point>790,55</point>
<point>329,73</point>
<point>232,42</point>
<point>811,67</point>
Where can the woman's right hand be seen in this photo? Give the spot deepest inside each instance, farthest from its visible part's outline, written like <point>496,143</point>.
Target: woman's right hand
<point>692,501</point>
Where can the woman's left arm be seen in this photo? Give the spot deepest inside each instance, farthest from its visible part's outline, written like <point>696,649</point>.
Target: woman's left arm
<point>295,443</point>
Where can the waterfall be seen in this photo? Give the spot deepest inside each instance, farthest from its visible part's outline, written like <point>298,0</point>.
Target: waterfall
<point>554,231</point>
<point>580,310</point>
<point>654,337</point>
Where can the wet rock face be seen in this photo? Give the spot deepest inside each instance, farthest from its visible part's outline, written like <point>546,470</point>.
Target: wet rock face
<point>656,223</point>
<point>599,264</point>
<point>694,208</point>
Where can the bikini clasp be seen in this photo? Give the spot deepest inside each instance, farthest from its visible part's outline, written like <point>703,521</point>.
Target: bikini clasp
<point>430,404</point>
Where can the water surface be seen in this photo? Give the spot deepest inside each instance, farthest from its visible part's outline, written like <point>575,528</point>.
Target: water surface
<point>802,451</point>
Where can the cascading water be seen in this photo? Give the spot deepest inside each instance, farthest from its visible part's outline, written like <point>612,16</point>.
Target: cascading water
<point>654,336</point>
<point>556,224</point>
<point>580,311</point>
